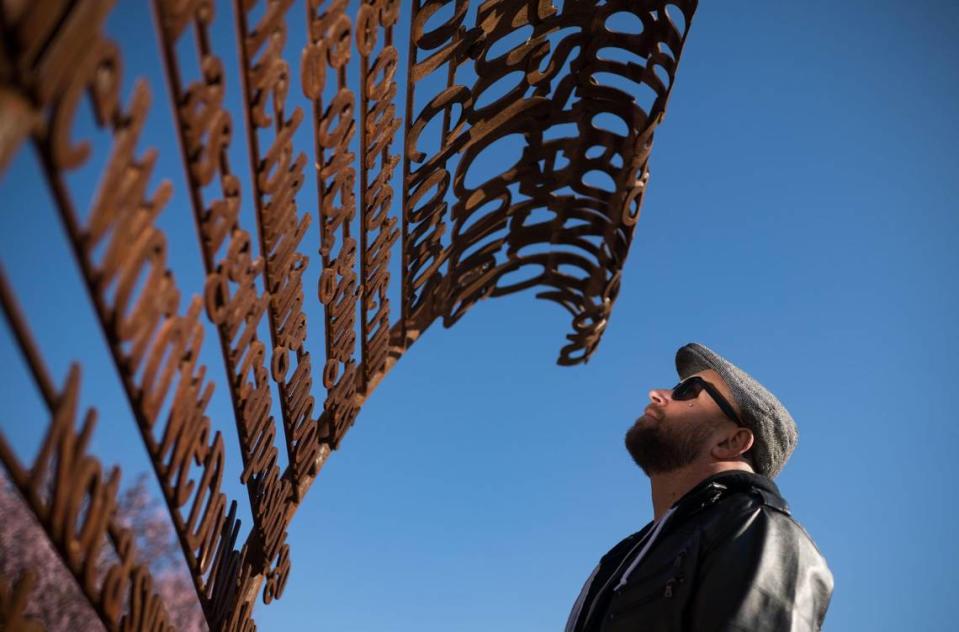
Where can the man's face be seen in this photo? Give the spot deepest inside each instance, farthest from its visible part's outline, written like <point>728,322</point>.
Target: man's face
<point>673,434</point>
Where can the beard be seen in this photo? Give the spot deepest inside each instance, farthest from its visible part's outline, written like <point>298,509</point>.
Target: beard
<point>658,447</point>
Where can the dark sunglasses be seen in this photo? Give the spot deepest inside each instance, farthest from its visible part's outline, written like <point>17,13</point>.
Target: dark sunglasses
<point>690,389</point>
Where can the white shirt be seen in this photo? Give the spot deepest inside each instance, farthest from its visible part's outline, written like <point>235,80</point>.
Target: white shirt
<point>643,545</point>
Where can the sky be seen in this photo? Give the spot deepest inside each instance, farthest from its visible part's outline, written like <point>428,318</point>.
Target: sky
<point>801,220</point>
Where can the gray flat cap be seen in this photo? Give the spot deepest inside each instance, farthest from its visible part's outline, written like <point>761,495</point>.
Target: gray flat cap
<point>773,427</point>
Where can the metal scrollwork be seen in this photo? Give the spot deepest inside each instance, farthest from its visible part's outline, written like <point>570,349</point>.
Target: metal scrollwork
<point>526,134</point>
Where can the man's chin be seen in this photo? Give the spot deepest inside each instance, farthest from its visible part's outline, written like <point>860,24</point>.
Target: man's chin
<point>637,442</point>
<point>658,448</point>
<point>638,427</point>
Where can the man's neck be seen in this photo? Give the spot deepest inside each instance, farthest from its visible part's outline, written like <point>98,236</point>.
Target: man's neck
<point>669,487</point>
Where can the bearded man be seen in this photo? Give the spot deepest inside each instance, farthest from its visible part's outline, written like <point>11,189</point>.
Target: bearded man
<point>723,551</point>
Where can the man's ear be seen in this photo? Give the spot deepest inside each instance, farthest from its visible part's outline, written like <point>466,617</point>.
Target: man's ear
<point>733,444</point>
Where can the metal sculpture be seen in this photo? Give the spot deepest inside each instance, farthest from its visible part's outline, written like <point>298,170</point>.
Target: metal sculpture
<point>461,240</point>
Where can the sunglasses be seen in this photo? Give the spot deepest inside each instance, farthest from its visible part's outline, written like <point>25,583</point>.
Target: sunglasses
<point>692,386</point>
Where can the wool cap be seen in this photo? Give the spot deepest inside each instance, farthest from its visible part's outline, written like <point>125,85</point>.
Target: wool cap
<point>774,431</point>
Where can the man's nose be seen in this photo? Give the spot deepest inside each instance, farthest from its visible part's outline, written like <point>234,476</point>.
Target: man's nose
<point>659,395</point>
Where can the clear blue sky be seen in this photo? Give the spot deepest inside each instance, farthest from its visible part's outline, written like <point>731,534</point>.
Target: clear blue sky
<point>801,220</point>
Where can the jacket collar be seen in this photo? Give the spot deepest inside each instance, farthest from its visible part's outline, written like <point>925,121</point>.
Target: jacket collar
<point>711,489</point>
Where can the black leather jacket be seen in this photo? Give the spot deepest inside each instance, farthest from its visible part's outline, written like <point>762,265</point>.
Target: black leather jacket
<point>730,557</point>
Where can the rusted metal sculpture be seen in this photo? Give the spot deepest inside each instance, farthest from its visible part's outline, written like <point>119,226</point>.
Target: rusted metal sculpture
<point>546,217</point>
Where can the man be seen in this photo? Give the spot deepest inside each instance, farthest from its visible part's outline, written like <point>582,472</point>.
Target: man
<point>723,551</point>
